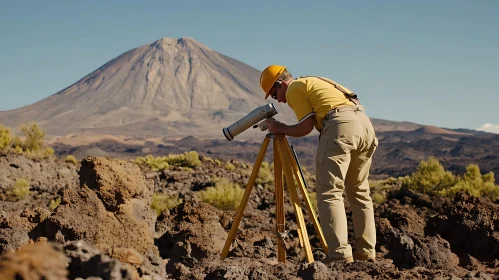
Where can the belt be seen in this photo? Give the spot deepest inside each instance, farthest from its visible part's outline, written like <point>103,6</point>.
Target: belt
<point>345,108</point>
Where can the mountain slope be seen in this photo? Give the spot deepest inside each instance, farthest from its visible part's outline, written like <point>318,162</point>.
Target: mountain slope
<point>171,87</point>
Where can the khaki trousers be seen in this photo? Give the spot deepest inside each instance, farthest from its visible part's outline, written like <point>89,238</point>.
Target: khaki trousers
<point>346,146</point>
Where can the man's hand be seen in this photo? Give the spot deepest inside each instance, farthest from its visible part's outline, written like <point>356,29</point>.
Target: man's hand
<point>274,126</point>
<point>298,130</point>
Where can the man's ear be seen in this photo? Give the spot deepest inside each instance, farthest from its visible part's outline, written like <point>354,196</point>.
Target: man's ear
<point>282,83</point>
<point>285,84</point>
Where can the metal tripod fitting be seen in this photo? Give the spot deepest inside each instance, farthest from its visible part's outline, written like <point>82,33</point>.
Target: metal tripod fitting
<point>285,167</point>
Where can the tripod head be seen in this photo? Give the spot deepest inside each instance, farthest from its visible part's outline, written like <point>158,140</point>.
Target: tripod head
<point>262,125</point>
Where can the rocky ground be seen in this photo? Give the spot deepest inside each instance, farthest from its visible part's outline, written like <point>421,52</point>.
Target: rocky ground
<point>399,152</point>
<point>103,228</point>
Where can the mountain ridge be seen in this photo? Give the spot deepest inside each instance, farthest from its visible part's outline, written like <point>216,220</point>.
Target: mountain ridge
<point>169,88</point>
<point>174,87</point>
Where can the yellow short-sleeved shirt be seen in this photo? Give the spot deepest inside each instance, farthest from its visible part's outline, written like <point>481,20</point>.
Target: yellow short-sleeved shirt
<point>311,95</point>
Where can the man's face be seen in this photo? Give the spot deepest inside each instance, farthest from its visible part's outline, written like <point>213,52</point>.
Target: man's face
<point>278,92</point>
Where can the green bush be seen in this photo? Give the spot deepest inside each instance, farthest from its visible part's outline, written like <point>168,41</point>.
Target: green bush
<point>380,188</point>
<point>229,166</point>
<point>489,178</point>
<point>43,153</point>
<point>153,163</point>
<point>224,195</point>
<point>431,178</point>
<point>5,138</point>
<point>378,198</point>
<point>265,175</point>
<point>187,159</point>
<point>208,159</point>
<point>34,136</point>
<point>54,203</point>
<point>31,145</point>
<point>71,159</point>
<point>474,183</point>
<point>17,143</point>
<point>490,190</point>
<point>18,150</point>
<point>49,151</point>
<point>20,190</point>
<point>162,202</point>
<point>461,186</point>
<point>385,185</point>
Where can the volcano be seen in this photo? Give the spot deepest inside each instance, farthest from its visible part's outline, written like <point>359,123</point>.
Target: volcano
<point>170,88</point>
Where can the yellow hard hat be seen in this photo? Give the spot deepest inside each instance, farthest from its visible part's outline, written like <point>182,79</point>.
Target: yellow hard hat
<point>269,76</point>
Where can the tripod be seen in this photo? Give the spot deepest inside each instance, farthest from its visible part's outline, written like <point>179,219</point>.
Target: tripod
<point>283,162</point>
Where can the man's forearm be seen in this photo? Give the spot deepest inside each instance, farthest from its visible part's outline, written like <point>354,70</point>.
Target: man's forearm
<point>300,129</point>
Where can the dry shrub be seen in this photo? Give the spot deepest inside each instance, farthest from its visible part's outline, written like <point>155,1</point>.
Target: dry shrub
<point>378,198</point>
<point>162,202</point>
<point>20,190</point>
<point>30,145</point>
<point>33,137</point>
<point>71,159</point>
<point>5,138</point>
<point>380,188</point>
<point>229,166</point>
<point>54,203</point>
<point>224,195</point>
<point>155,164</point>
<point>44,153</point>
<point>265,174</point>
<point>186,160</point>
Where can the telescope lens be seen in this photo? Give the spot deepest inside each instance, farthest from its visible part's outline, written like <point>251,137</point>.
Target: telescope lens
<point>227,134</point>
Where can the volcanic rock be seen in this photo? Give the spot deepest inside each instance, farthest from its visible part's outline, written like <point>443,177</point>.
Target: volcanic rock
<point>36,261</point>
<point>408,250</point>
<point>15,231</point>
<point>317,271</point>
<point>87,261</point>
<point>127,224</point>
<point>470,225</point>
<point>114,181</point>
<point>195,234</point>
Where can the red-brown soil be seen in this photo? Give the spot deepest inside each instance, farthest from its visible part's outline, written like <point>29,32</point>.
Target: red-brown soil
<point>103,228</point>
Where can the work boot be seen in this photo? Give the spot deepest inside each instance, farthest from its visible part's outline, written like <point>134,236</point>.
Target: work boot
<point>329,260</point>
<point>362,257</point>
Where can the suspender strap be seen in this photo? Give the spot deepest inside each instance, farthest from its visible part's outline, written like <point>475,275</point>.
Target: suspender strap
<point>349,95</point>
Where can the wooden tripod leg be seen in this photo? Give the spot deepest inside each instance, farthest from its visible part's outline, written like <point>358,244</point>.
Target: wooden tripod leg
<point>279,200</point>
<point>244,201</point>
<point>299,214</point>
<point>304,192</point>
<point>283,155</point>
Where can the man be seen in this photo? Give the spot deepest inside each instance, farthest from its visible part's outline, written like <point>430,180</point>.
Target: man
<point>346,145</point>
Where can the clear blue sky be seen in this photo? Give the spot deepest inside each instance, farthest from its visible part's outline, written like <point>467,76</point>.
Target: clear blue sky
<point>433,62</point>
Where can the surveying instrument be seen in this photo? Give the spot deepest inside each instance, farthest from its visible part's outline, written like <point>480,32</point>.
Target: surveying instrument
<point>285,163</point>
